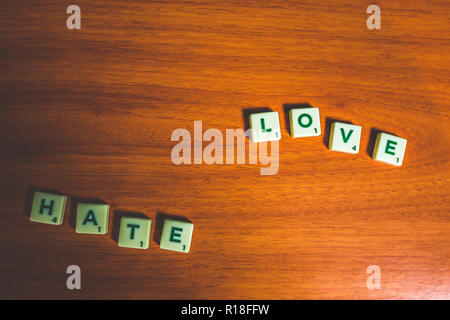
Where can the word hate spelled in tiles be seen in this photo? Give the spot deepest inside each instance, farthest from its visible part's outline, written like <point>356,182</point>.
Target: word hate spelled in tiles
<point>93,219</point>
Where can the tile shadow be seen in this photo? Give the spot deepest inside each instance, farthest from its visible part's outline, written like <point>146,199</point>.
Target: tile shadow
<point>328,122</point>
<point>287,107</point>
<point>159,223</point>
<point>73,208</point>
<point>30,195</point>
<point>118,214</point>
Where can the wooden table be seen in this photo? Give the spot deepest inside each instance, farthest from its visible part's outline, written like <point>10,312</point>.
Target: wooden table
<point>90,113</point>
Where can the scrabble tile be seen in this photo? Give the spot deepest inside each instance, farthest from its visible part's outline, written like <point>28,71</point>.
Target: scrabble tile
<point>92,218</point>
<point>265,126</point>
<point>389,149</point>
<point>176,235</point>
<point>134,232</point>
<point>305,122</point>
<point>48,208</point>
<point>345,137</point>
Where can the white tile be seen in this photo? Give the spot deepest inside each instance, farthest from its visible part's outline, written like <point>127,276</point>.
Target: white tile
<point>389,149</point>
<point>176,235</point>
<point>265,126</point>
<point>48,208</point>
<point>134,233</point>
<point>345,137</point>
<point>92,218</point>
<point>305,122</point>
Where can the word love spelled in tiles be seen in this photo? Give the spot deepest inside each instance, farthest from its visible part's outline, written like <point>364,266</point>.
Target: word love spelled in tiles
<point>344,137</point>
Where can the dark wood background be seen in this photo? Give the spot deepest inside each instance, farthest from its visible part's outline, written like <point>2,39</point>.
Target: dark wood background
<point>90,113</point>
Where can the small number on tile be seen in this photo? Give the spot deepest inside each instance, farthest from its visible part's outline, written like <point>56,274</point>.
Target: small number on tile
<point>54,219</point>
<point>99,229</point>
<point>184,247</point>
<point>142,243</point>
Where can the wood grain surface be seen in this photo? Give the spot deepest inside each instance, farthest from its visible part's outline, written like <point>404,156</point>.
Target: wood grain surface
<point>90,113</point>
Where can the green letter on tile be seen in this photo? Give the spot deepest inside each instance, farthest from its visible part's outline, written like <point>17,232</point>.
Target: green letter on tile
<point>346,138</point>
<point>174,234</point>
<point>390,145</point>
<point>310,120</point>
<point>133,227</point>
<point>90,217</point>
<point>263,126</point>
<point>49,207</point>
